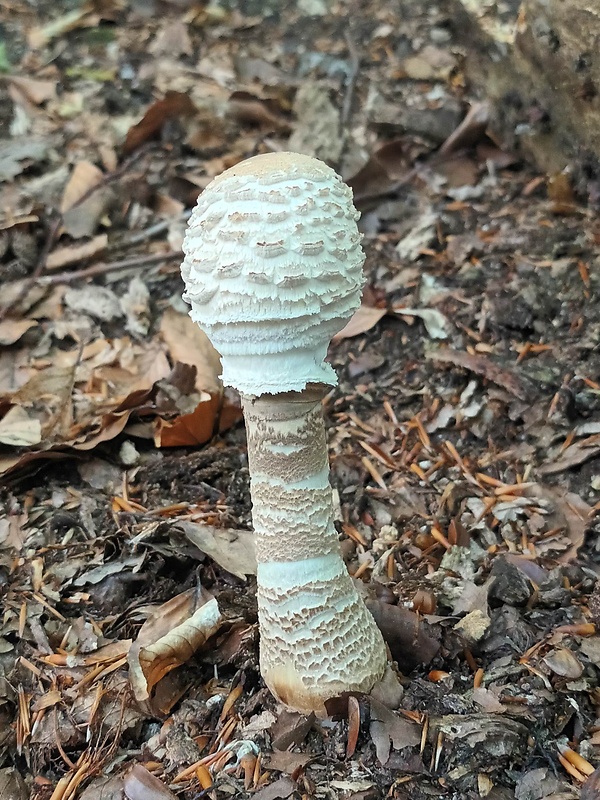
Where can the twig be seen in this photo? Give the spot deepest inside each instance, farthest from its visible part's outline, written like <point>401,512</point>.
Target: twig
<point>113,266</point>
<point>351,83</point>
<point>39,267</point>
<point>149,233</point>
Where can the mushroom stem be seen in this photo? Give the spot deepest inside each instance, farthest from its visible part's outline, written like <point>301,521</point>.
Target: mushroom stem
<point>317,637</point>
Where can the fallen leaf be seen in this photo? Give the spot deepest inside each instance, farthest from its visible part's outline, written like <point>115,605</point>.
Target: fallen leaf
<point>169,638</point>
<point>189,429</point>
<point>15,155</point>
<point>172,39</point>
<point>363,319</point>
<point>12,785</point>
<point>573,455</point>
<point>139,784</point>
<point>435,322</point>
<point>83,178</point>
<point>420,236</point>
<point>407,635</point>
<point>172,106</point>
<point>98,302</point>
<point>18,429</point>
<point>63,256</point>
<point>231,548</point>
<point>38,37</point>
<point>570,512</point>
<point>80,206</point>
<point>431,63</point>
<point>267,114</point>
<point>388,728</point>
<point>278,790</point>
<point>35,90</point>
<point>481,365</point>
<point>290,729</point>
<point>286,761</point>
<point>386,167</point>
<point>187,343</point>
<point>11,330</point>
<point>106,787</point>
<point>562,662</point>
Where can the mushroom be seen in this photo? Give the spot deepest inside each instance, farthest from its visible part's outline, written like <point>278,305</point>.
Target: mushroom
<point>273,269</point>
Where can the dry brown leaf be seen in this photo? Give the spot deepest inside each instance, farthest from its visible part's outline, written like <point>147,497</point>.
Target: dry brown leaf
<point>173,39</point>
<point>248,108</point>
<point>169,638</point>
<point>11,330</point>
<point>482,365</point>
<point>18,429</point>
<point>233,549</point>
<point>189,429</point>
<point>388,728</point>
<point>38,37</point>
<point>278,790</point>
<point>63,256</point>
<point>12,785</point>
<point>188,344</point>
<point>571,512</point>
<point>36,91</point>
<point>106,787</point>
<point>172,106</point>
<point>364,318</point>
<point>387,166</point>
<point>407,635</point>
<point>562,662</point>
<point>83,178</point>
<point>574,455</point>
<point>139,784</point>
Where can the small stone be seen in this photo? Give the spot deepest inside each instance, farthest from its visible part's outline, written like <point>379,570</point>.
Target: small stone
<point>128,455</point>
<point>473,627</point>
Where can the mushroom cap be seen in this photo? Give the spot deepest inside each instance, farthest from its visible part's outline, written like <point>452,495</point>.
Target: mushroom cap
<point>273,269</point>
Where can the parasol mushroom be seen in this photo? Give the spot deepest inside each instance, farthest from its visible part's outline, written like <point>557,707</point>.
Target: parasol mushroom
<point>273,269</point>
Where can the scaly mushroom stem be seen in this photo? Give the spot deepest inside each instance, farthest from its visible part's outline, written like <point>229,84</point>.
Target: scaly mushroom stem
<point>317,637</point>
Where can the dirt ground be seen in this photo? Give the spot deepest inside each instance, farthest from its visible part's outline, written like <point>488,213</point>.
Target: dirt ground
<point>464,432</point>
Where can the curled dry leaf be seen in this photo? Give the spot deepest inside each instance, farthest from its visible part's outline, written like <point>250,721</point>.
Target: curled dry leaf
<point>11,330</point>
<point>247,108</point>
<point>35,90</point>
<point>195,428</point>
<point>387,167</point>
<point>407,635</point>
<point>172,106</point>
<point>83,178</point>
<point>364,318</point>
<point>169,638</point>
<point>139,784</point>
<point>232,549</point>
<point>562,662</point>
<point>188,344</point>
<point>435,322</point>
<point>18,429</point>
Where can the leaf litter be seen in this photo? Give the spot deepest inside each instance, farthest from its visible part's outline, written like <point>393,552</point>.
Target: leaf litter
<point>463,431</point>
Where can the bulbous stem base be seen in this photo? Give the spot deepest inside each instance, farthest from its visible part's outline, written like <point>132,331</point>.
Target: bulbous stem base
<point>317,637</point>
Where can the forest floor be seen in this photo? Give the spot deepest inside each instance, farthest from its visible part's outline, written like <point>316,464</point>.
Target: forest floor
<point>464,433</point>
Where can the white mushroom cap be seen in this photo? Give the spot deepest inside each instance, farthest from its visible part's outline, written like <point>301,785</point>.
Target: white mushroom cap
<point>273,269</point>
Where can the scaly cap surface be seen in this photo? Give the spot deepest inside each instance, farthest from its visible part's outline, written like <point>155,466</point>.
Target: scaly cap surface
<point>273,269</point>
